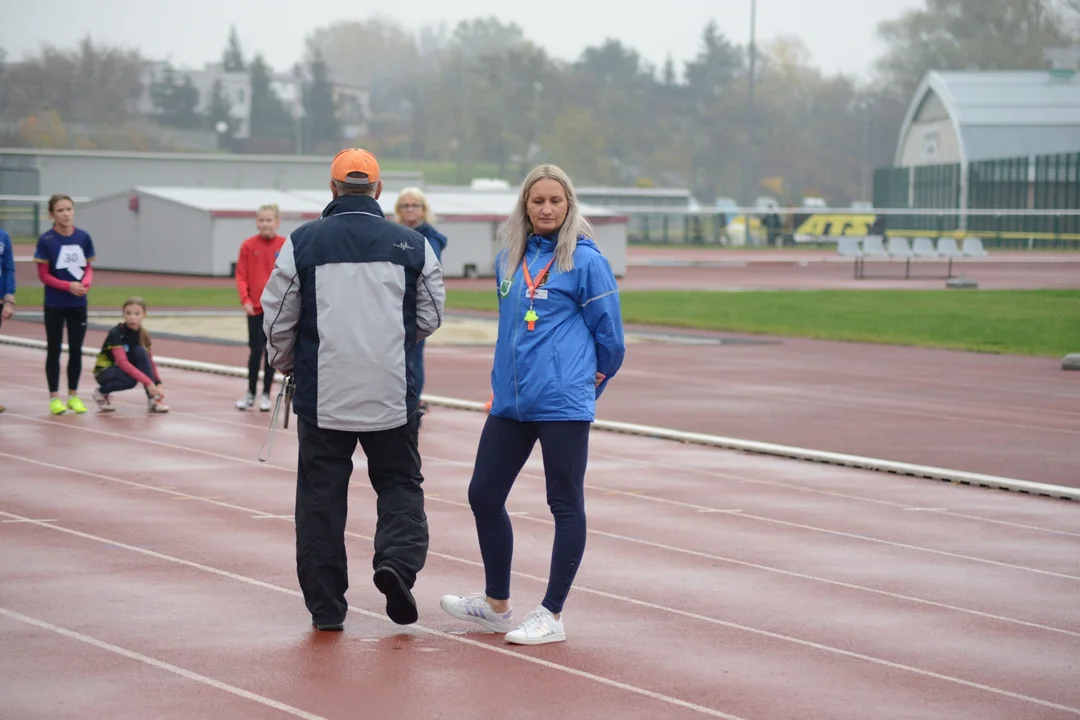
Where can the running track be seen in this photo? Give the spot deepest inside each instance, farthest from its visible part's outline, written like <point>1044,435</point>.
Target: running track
<point>148,572</point>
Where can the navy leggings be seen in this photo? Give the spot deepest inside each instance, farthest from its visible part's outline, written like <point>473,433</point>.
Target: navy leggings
<point>505,446</point>
<point>113,379</point>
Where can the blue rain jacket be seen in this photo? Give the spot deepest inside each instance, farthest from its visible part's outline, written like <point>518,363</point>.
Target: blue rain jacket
<point>548,373</point>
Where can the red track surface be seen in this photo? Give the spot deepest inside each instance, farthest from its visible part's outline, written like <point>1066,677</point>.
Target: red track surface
<point>148,571</point>
<point>995,414</point>
<point>656,269</point>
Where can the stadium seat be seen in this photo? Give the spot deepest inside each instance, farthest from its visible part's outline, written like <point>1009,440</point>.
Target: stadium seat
<point>899,247</point>
<point>923,247</point>
<point>851,247</point>
<point>947,247</point>
<point>973,247</point>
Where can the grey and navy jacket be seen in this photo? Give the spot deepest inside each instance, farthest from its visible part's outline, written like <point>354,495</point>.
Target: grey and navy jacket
<point>350,295</point>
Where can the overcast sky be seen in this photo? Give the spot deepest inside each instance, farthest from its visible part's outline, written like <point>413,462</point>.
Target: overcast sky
<point>840,34</point>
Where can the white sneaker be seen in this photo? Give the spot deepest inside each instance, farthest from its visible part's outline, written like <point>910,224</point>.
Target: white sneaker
<point>539,627</point>
<point>103,402</point>
<point>264,403</point>
<point>156,405</point>
<point>245,402</point>
<point>476,609</point>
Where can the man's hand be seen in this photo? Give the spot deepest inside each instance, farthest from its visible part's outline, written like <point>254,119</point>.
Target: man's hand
<point>77,289</point>
<point>8,311</point>
<point>249,308</point>
<point>599,378</point>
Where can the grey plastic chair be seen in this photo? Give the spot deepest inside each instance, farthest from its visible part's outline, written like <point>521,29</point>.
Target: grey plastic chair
<point>947,247</point>
<point>923,247</point>
<point>899,247</point>
<point>851,247</point>
<point>973,247</point>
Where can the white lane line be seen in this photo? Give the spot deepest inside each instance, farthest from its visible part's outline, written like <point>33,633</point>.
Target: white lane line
<point>130,483</point>
<point>581,673</point>
<point>437,633</point>
<point>160,664</point>
<point>797,488</point>
<point>431,458</point>
<point>839,533</point>
<point>623,538</point>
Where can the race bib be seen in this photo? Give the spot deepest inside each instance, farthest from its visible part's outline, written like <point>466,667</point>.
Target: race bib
<point>72,259</point>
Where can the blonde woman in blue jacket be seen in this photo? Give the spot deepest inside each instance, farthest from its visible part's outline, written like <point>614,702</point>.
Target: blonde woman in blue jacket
<point>560,342</point>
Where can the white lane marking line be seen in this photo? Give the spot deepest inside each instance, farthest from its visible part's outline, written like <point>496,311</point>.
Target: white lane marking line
<point>636,494</point>
<point>797,488</point>
<point>160,664</point>
<point>140,486</point>
<point>580,673</point>
<point>701,471</point>
<point>16,522</point>
<point>637,541</point>
<point>850,536</point>
<point>437,633</point>
<point>786,573</point>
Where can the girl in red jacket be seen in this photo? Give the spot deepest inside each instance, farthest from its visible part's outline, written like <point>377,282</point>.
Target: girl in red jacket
<point>126,360</point>
<point>253,268</point>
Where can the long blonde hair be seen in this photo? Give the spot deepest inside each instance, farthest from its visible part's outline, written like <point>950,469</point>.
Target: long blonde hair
<point>429,216</point>
<point>517,228</point>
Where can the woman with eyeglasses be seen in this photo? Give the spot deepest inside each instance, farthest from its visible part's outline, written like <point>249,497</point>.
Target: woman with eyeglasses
<point>412,211</point>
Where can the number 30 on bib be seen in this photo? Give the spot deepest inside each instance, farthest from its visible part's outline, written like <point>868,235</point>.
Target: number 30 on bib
<point>72,259</point>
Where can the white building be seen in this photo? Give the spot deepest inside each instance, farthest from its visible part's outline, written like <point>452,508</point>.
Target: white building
<point>198,231</point>
<point>353,101</point>
<point>235,85</point>
<point>963,117</point>
<point>187,231</point>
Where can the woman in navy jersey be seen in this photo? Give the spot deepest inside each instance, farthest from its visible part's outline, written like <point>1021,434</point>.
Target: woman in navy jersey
<point>63,256</point>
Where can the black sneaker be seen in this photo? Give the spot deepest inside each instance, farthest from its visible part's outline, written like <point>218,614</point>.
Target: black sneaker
<point>328,627</point>
<point>400,605</point>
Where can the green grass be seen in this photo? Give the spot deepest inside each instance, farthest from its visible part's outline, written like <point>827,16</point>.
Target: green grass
<point>113,296</point>
<point>19,240</point>
<point>1020,322</point>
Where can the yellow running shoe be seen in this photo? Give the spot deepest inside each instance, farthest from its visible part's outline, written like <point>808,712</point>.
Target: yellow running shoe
<point>57,406</point>
<point>76,404</point>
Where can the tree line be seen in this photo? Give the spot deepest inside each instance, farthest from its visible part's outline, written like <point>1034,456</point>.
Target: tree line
<point>481,94</point>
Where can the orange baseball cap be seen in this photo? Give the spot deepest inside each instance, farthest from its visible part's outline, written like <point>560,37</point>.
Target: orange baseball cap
<point>355,167</point>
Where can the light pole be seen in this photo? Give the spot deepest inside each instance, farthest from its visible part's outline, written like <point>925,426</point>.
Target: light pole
<point>747,189</point>
<point>865,190</point>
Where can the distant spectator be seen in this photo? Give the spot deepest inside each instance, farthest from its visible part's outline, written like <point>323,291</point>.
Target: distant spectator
<point>126,360</point>
<point>253,268</point>
<point>412,210</point>
<point>63,256</point>
<point>7,279</point>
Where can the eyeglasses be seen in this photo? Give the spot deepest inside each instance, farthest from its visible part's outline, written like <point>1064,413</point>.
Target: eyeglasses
<point>410,206</point>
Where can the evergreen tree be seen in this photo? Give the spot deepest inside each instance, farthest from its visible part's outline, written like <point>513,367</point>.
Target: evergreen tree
<point>269,116</point>
<point>320,109</point>
<point>233,57</point>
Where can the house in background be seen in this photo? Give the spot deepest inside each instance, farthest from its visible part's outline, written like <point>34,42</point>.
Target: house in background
<point>353,101</point>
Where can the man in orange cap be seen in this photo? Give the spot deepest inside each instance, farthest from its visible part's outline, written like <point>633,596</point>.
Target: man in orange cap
<point>350,296</point>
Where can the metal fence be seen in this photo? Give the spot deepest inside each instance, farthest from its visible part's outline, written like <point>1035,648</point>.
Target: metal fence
<point>1046,182</point>
<point>806,227</point>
